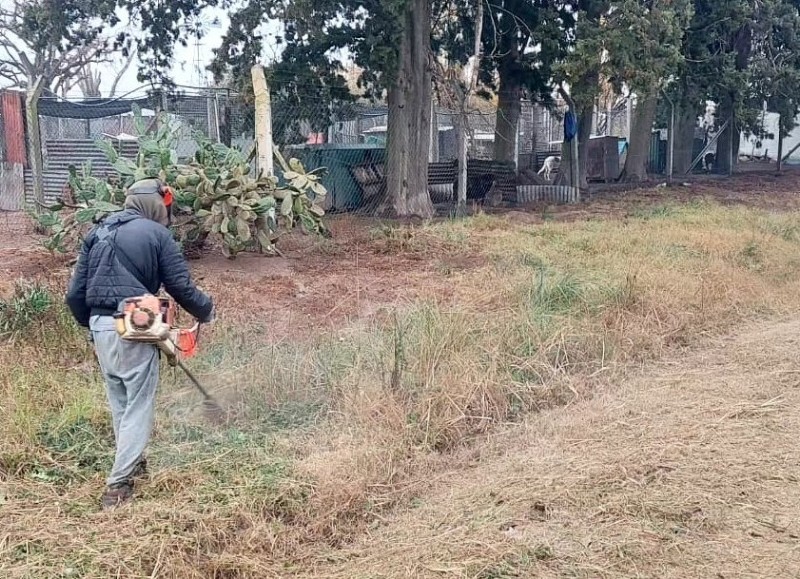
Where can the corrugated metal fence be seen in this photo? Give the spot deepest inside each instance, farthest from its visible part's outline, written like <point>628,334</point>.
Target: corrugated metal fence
<point>60,155</point>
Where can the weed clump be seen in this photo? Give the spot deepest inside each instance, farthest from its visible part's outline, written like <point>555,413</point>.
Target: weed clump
<point>29,303</point>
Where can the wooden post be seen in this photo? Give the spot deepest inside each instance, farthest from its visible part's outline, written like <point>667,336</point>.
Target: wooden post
<point>263,121</point>
<point>780,146</point>
<point>35,141</point>
<point>671,140</point>
<point>573,144</point>
<point>433,155</point>
<point>463,150</point>
<point>216,117</point>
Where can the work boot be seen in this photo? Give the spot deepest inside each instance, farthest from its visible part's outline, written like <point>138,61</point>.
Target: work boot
<point>116,494</point>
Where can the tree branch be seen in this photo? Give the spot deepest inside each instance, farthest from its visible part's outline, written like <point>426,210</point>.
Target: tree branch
<point>121,73</point>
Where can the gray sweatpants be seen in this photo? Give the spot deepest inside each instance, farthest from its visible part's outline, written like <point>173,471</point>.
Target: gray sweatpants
<point>130,371</point>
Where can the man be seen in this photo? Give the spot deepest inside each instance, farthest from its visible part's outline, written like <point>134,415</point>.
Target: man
<point>129,254</point>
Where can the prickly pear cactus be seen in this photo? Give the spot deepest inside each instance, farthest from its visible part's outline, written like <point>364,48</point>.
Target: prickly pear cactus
<point>215,192</point>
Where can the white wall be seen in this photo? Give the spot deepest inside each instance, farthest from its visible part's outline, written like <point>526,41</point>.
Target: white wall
<point>770,146</point>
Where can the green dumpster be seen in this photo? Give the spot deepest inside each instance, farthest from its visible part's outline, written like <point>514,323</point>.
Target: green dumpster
<point>344,193</point>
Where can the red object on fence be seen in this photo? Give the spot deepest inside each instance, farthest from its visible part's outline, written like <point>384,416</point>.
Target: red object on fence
<point>14,128</point>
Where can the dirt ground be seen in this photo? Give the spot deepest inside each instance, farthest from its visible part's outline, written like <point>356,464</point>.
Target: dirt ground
<point>319,284</point>
<point>689,468</point>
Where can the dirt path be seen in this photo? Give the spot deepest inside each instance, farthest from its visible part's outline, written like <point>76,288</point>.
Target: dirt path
<point>690,468</point>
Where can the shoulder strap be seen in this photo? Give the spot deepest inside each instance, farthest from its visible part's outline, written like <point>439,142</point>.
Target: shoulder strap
<point>109,234</point>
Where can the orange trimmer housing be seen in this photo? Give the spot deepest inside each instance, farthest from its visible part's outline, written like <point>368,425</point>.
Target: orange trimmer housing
<point>151,319</point>
<point>186,341</point>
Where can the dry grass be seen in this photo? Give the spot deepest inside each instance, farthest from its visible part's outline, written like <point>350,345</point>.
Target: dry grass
<point>335,437</point>
<point>682,470</point>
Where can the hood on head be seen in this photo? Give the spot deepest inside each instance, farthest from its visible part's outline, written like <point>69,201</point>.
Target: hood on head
<point>150,206</point>
<point>146,197</point>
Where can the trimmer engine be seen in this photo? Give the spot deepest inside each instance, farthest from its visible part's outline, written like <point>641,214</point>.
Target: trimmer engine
<point>151,320</point>
<point>146,319</point>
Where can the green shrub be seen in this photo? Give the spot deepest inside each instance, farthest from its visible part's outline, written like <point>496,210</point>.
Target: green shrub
<point>29,303</point>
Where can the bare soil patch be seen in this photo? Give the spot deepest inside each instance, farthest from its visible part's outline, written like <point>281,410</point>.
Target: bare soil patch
<point>369,264</point>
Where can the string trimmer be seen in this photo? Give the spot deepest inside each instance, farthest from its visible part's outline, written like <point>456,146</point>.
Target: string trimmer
<point>151,320</point>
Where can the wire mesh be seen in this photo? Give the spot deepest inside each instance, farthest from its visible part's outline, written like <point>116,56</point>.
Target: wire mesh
<point>323,125</point>
<point>348,137</point>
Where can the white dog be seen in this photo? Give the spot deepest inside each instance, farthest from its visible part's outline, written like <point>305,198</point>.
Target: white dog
<point>551,165</point>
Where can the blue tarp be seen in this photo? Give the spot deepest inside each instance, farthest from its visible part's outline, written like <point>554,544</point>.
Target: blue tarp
<point>570,126</point>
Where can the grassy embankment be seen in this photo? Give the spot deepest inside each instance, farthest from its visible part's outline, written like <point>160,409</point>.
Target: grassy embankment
<point>328,434</point>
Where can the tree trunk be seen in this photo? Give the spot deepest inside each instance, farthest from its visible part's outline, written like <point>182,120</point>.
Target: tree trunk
<point>728,143</point>
<point>462,119</point>
<point>641,135</point>
<point>685,121</point>
<point>509,109</point>
<point>564,178</point>
<point>585,119</point>
<point>780,146</point>
<point>409,124</point>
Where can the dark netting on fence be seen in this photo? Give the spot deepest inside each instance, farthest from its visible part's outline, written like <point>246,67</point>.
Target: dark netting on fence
<point>70,130</point>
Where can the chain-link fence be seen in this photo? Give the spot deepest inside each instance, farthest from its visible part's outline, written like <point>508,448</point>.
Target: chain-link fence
<point>348,136</point>
<point>323,125</point>
<point>353,149</point>
<point>69,131</point>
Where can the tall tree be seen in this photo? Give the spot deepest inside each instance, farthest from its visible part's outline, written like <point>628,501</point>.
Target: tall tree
<point>52,39</point>
<point>522,41</point>
<point>154,28</point>
<point>582,68</point>
<point>388,40</point>
<point>89,79</point>
<point>644,47</point>
<point>716,51</point>
<point>775,64</point>
<point>57,39</point>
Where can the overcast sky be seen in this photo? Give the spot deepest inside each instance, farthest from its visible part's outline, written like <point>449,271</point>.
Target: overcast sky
<point>185,71</point>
